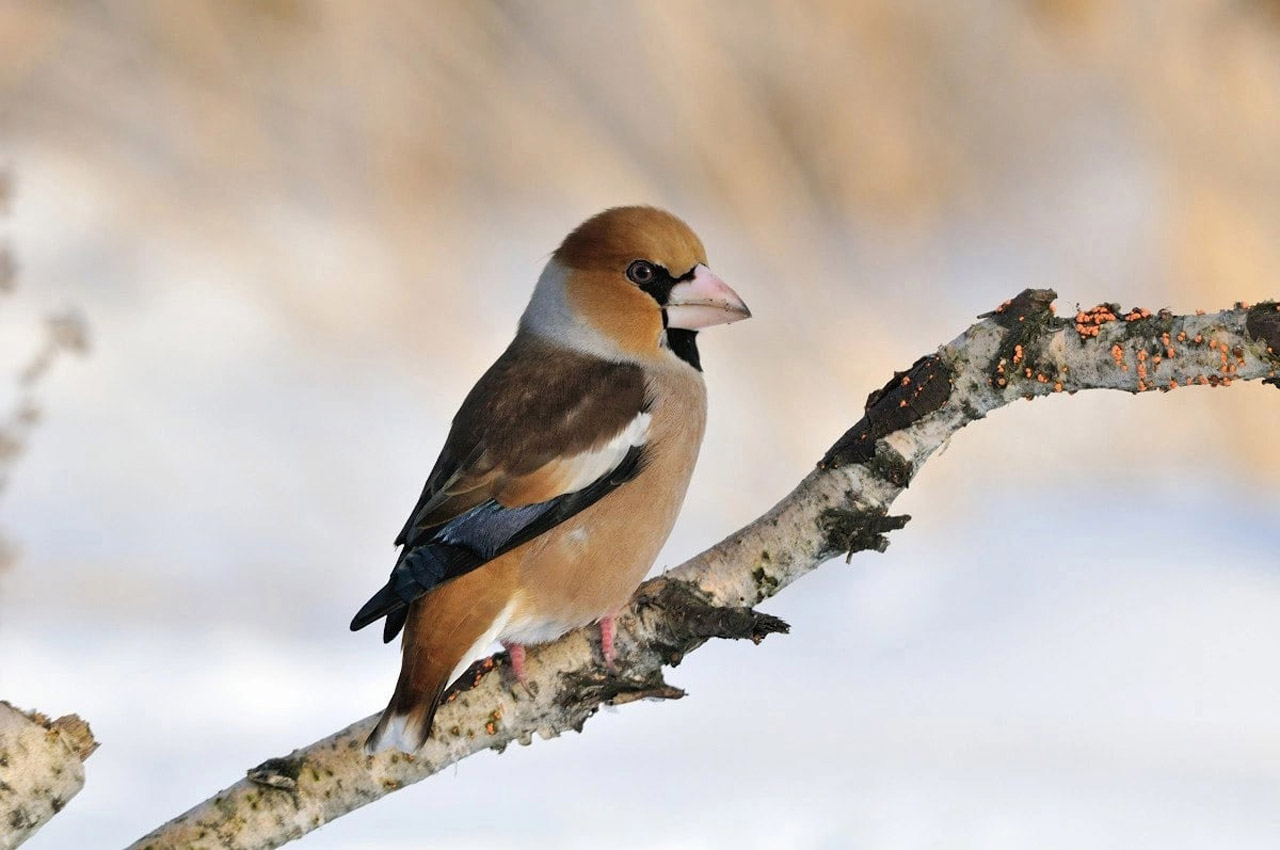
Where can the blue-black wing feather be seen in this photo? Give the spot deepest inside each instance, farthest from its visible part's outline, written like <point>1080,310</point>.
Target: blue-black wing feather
<point>476,537</point>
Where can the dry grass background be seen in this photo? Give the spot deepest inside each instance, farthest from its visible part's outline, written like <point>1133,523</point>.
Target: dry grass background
<point>301,229</point>
<point>368,152</point>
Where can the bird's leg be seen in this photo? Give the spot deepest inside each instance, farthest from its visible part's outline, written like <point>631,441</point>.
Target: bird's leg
<point>515,651</point>
<point>606,642</point>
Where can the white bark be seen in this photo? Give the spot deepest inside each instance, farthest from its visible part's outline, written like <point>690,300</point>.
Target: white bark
<point>41,768</point>
<point>1022,350</point>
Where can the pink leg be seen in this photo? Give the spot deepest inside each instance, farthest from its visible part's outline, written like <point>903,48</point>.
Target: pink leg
<point>516,652</point>
<point>606,642</point>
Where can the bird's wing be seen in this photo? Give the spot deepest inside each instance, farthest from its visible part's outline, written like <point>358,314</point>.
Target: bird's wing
<point>545,433</point>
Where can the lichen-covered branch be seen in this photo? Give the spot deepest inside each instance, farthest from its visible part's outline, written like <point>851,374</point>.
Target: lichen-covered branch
<point>41,768</point>
<point>1022,350</point>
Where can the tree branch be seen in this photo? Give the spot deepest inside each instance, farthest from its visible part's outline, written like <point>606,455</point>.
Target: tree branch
<point>41,768</point>
<point>1019,351</point>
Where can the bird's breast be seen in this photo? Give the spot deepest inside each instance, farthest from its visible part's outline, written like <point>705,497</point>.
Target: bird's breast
<point>588,567</point>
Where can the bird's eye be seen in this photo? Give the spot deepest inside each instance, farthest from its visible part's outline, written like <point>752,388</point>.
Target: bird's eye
<point>641,272</point>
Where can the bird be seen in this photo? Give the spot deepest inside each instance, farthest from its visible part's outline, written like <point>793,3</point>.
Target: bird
<point>564,468</point>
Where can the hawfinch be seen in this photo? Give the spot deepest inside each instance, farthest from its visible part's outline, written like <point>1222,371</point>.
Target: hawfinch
<point>565,467</point>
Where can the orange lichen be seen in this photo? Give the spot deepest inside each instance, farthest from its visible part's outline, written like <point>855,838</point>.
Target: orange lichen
<point>1137,313</point>
<point>1017,354</point>
<point>1088,322</point>
<point>1199,338</point>
<point>1182,337</point>
<point>1117,354</point>
<point>1057,386</point>
<point>1173,383</point>
<point>1027,371</point>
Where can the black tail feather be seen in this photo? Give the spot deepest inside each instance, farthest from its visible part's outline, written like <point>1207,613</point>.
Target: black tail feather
<point>419,571</point>
<point>381,604</point>
<point>394,623</point>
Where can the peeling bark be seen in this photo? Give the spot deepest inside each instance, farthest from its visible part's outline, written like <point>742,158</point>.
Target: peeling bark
<point>41,768</point>
<point>1021,350</point>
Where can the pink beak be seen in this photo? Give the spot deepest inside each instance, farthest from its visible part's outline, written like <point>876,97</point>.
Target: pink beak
<point>704,301</point>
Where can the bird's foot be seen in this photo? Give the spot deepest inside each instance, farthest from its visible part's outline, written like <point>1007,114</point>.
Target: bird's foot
<point>606,643</point>
<point>515,652</point>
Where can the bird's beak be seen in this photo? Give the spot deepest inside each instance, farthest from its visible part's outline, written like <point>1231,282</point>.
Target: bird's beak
<point>704,301</point>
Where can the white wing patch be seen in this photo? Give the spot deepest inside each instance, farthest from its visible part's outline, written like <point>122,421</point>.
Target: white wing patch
<point>583,470</point>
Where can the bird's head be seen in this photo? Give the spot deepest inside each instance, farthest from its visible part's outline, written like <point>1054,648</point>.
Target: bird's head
<point>626,278</point>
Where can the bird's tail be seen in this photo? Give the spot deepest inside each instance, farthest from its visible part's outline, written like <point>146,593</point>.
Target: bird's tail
<point>445,632</point>
<point>405,725</point>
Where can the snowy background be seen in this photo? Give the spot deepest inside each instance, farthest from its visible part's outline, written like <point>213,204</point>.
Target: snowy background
<point>299,232</point>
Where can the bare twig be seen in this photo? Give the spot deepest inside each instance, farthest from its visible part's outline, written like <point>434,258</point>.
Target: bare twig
<point>1019,351</point>
<point>66,332</point>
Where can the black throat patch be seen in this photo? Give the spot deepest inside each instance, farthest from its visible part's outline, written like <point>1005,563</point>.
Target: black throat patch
<point>684,344</point>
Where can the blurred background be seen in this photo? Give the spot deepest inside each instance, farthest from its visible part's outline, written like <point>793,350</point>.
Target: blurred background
<point>298,231</point>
